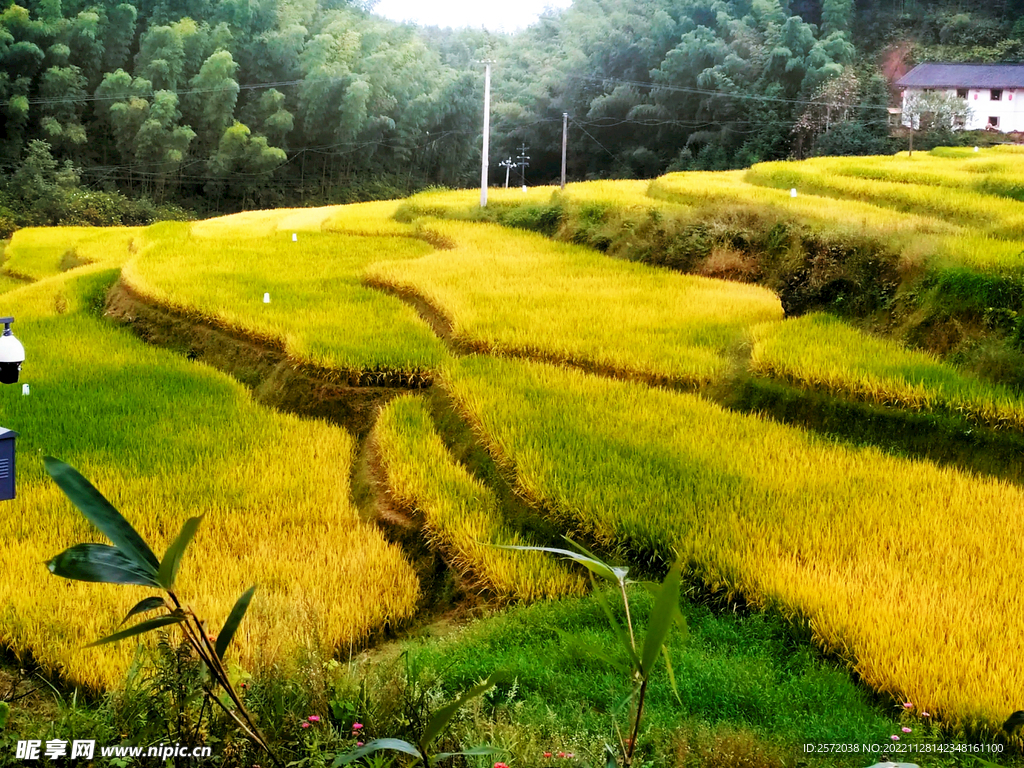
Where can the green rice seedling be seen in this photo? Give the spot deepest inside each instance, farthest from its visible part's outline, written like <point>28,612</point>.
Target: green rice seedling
<point>822,352</point>
<point>904,569</point>
<point>38,252</point>
<point>167,440</point>
<point>461,515</point>
<point>513,292</point>
<point>317,308</point>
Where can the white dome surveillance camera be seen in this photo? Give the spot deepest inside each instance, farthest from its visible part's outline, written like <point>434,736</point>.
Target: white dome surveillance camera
<point>12,354</point>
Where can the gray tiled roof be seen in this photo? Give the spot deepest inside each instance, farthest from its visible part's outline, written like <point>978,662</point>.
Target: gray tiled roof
<point>964,76</point>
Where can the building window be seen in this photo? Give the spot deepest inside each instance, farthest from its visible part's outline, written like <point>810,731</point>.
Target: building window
<point>961,93</point>
<point>996,94</point>
<point>959,122</point>
<point>993,122</point>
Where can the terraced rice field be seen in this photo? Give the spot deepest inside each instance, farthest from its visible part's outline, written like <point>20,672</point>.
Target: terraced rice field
<point>165,439</point>
<point>906,571</point>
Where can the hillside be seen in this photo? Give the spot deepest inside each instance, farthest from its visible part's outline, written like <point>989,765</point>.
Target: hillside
<point>216,106</point>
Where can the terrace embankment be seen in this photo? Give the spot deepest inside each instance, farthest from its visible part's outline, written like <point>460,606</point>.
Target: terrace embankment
<point>349,399</point>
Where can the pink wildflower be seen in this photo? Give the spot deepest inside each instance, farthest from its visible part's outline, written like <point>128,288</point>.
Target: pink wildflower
<point>569,754</point>
<point>356,726</point>
<point>359,743</point>
<point>905,729</point>
<point>305,725</point>
<point>894,737</point>
<point>925,714</point>
<point>547,754</point>
<point>561,754</point>
<point>314,718</point>
<point>907,705</point>
<point>500,765</point>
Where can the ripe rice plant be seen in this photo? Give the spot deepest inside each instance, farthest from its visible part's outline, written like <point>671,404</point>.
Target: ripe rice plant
<point>513,292</point>
<point>39,252</point>
<point>906,570</point>
<point>998,216</point>
<point>318,308</point>
<point>167,440</point>
<point>853,216</point>
<point>461,515</point>
<point>375,218</point>
<point>265,223</point>
<point>821,352</point>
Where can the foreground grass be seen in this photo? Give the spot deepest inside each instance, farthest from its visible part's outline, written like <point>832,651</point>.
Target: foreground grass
<point>319,311</point>
<point>751,694</point>
<point>769,512</point>
<point>164,440</point>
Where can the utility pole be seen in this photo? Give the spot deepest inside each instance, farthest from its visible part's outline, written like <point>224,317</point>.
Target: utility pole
<point>565,141</point>
<point>487,133</point>
<point>507,165</point>
<point>523,161</point>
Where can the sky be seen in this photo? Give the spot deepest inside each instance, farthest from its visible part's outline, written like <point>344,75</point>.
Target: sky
<point>497,17</point>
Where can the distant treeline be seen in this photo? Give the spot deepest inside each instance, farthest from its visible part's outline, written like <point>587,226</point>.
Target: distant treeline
<point>216,105</point>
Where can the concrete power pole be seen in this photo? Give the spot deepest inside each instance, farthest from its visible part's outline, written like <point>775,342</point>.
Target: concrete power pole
<point>487,134</point>
<point>565,141</point>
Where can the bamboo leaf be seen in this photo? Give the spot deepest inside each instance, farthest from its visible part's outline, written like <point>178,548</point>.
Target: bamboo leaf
<point>138,629</point>
<point>671,673</point>
<point>172,557</point>
<point>663,614</point>
<point>99,562</point>
<point>234,619</point>
<point>144,606</point>
<point>595,566</point>
<point>395,745</point>
<point>100,513</point>
<point>443,716</point>
<point>617,628</point>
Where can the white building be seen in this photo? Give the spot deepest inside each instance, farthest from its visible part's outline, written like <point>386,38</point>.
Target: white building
<point>994,92</point>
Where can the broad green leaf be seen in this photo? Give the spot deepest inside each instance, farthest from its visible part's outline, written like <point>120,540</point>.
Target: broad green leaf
<point>592,564</point>
<point>5,713</point>
<point>618,571</point>
<point>172,557</point>
<point>138,629</point>
<point>443,716</point>
<point>234,619</point>
<point>671,673</point>
<point>145,606</point>
<point>99,562</point>
<point>617,628</point>
<point>100,513</point>
<point>610,759</point>
<point>395,745</point>
<point>663,614</point>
